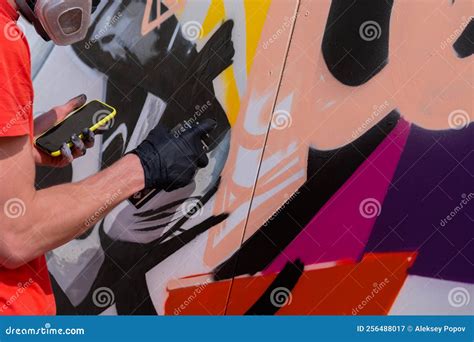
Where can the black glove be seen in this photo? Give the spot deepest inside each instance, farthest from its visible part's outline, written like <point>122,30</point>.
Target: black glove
<point>170,161</point>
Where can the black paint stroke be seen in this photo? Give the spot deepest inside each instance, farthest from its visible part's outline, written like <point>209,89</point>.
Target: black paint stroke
<point>464,45</point>
<point>350,58</point>
<point>270,301</point>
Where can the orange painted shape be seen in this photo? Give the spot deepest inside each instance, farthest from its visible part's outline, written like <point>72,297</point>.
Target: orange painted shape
<point>196,296</point>
<point>367,288</point>
<point>174,6</point>
<point>342,288</point>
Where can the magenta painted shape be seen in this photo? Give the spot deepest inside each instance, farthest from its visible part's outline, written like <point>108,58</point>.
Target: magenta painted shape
<point>342,227</point>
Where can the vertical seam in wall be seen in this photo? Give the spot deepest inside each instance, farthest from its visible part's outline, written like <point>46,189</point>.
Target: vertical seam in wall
<point>249,211</point>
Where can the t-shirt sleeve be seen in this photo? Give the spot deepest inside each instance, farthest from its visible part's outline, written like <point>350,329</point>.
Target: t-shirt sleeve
<point>16,93</point>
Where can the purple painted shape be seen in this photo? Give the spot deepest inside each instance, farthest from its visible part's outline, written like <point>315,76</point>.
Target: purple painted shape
<point>430,209</point>
<point>339,230</point>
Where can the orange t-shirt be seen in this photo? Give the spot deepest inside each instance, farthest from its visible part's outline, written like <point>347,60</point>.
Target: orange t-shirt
<point>26,290</point>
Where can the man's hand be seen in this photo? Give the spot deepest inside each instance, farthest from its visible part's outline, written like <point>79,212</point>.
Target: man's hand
<point>170,162</point>
<point>52,117</point>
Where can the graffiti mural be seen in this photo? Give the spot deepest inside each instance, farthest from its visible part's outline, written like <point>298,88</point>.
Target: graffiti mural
<point>340,174</point>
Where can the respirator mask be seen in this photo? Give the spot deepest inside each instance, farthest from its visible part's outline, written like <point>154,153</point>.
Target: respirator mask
<point>65,22</point>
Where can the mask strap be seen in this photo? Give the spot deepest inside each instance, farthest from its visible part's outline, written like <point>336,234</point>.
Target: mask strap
<point>95,4</point>
<point>29,15</point>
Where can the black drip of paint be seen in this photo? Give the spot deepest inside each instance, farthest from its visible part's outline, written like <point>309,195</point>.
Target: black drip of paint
<point>356,39</point>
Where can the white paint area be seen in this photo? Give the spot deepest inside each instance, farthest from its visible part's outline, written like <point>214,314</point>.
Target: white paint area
<point>75,266</point>
<point>253,122</point>
<point>273,160</point>
<point>151,114</point>
<point>79,78</point>
<point>430,296</point>
<point>235,10</point>
<point>195,11</point>
<point>246,160</point>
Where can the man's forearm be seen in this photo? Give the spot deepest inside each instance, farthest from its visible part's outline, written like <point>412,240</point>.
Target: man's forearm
<point>58,214</point>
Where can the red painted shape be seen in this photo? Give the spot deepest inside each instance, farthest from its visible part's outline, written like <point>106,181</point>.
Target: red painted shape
<point>342,288</point>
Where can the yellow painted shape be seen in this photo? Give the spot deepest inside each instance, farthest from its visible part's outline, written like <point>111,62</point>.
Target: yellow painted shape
<point>255,15</point>
<point>215,15</point>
